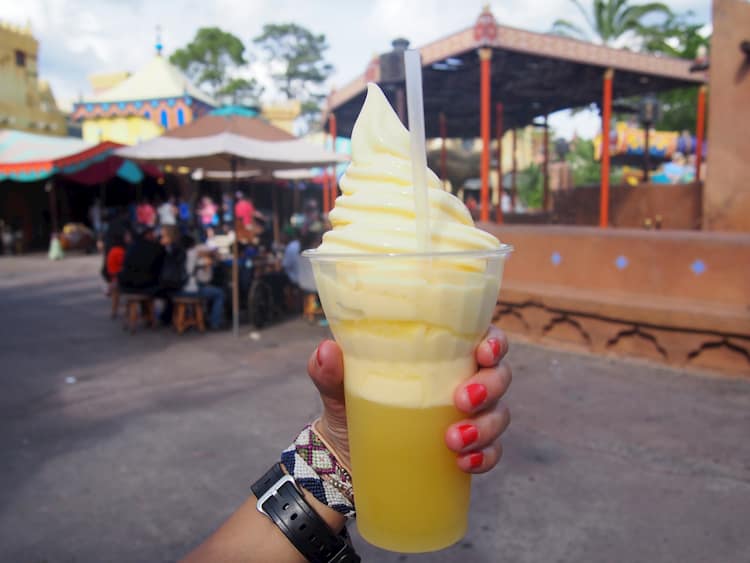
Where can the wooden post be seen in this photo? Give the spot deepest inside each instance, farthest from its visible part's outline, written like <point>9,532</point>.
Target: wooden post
<point>485,56</point>
<point>235,255</point>
<point>333,180</point>
<point>545,171</point>
<point>513,173</point>
<point>275,210</point>
<point>606,116</point>
<point>499,127</point>
<point>700,125</point>
<point>443,153</point>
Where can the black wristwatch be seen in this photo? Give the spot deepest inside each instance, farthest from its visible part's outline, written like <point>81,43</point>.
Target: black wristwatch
<point>280,500</point>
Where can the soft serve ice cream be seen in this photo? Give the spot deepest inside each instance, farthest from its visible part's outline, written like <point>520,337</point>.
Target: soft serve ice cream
<point>377,311</point>
<point>407,323</point>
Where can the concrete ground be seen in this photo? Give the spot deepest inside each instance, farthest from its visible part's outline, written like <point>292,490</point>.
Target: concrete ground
<point>133,448</point>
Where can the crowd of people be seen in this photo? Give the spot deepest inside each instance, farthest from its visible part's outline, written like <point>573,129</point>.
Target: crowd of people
<point>166,251</point>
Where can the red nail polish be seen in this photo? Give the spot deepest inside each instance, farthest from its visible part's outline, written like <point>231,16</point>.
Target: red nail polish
<point>317,355</point>
<point>469,434</point>
<point>495,346</point>
<point>477,394</point>
<point>475,459</point>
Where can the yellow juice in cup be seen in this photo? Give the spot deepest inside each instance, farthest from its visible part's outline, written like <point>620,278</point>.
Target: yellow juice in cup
<point>410,495</point>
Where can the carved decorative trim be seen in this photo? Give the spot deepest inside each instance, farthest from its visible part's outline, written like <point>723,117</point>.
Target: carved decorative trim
<point>602,335</point>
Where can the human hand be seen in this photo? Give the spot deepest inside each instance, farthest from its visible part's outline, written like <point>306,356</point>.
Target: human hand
<point>474,439</point>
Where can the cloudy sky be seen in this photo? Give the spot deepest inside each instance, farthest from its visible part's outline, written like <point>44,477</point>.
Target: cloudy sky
<point>80,37</point>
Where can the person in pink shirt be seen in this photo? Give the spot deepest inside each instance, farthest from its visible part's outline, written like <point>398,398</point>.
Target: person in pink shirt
<point>145,214</point>
<point>244,210</point>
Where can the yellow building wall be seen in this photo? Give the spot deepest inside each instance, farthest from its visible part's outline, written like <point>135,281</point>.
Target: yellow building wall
<point>25,103</point>
<point>124,130</point>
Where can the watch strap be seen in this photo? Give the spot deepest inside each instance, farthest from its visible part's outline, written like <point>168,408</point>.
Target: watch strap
<point>280,500</point>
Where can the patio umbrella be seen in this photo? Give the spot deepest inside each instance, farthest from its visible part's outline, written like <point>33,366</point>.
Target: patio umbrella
<point>232,143</point>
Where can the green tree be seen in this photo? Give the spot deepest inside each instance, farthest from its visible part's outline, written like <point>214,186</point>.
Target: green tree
<point>211,59</point>
<point>586,170</point>
<point>609,20</point>
<point>296,56</point>
<point>530,185</point>
<point>678,37</point>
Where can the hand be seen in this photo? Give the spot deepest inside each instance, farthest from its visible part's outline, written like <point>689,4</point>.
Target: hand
<point>475,439</point>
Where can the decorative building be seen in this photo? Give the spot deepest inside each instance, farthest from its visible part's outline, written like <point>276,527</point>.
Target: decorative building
<point>26,103</point>
<point>127,108</point>
<point>283,114</point>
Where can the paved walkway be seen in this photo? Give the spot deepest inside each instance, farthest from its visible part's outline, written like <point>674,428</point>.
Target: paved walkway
<point>132,448</point>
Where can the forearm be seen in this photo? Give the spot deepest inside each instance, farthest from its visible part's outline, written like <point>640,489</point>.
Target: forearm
<point>249,537</point>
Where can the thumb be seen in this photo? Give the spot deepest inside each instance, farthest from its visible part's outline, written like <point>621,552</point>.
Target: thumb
<point>326,369</point>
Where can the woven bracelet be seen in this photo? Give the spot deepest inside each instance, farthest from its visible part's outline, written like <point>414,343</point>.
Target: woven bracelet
<point>314,467</point>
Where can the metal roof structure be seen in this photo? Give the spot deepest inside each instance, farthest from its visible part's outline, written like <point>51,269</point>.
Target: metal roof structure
<point>532,74</point>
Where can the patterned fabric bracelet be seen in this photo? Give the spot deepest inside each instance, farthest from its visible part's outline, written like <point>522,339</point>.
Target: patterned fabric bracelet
<point>315,467</point>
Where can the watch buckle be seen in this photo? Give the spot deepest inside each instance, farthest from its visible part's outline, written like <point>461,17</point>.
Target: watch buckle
<point>273,490</point>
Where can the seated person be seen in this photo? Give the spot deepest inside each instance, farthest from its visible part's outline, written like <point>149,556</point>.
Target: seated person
<point>199,274</point>
<point>114,261</point>
<point>173,274</point>
<point>142,265</point>
<point>292,257</point>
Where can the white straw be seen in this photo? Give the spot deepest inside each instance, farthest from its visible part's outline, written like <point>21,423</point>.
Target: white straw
<point>415,106</point>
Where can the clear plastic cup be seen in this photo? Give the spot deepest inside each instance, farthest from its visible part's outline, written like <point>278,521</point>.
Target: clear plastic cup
<point>408,326</point>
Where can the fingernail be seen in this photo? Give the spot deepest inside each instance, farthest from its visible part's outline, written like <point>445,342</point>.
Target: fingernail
<point>476,459</point>
<point>495,346</point>
<point>469,433</point>
<point>477,394</point>
<point>317,355</point>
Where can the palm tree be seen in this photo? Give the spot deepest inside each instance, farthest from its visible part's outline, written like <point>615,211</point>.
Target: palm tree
<point>610,20</point>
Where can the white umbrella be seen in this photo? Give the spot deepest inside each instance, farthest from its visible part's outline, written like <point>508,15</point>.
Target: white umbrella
<point>226,151</point>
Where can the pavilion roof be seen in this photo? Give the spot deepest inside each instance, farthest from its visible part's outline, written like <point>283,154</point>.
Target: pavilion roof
<point>533,74</point>
<point>159,79</point>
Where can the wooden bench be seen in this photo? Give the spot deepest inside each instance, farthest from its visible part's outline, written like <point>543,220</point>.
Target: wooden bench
<point>188,312</point>
<point>138,307</point>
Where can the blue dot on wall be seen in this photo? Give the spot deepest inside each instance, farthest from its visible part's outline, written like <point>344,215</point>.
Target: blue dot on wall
<point>556,258</point>
<point>698,267</point>
<point>621,262</point>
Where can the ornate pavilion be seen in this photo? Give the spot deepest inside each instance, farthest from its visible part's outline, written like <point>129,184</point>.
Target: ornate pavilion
<point>138,107</point>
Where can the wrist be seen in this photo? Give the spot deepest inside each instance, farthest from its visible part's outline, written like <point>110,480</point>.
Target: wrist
<point>335,435</point>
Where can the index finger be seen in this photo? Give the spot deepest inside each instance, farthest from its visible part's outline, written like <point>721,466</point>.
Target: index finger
<point>492,348</point>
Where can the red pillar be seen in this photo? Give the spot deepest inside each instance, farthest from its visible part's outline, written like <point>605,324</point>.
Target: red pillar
<point>545,171</point>
<point>333,179</point>
<point>499,127</point>
<point>513,173</point>
<point>700,125</point>
<point>485,55</point>
<point>443,154</point>
<point>606,117</point>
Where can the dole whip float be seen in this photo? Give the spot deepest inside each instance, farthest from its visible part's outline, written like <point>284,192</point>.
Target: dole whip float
<point>408,323</point>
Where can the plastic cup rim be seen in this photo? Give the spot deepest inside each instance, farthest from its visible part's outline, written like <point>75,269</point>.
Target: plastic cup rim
<point>501,252</point>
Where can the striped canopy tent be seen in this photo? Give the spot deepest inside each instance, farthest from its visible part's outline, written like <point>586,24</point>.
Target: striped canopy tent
<point>28,157</point>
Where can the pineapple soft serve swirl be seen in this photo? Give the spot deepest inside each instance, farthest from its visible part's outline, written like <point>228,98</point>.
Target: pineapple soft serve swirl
<point>377,311</point>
